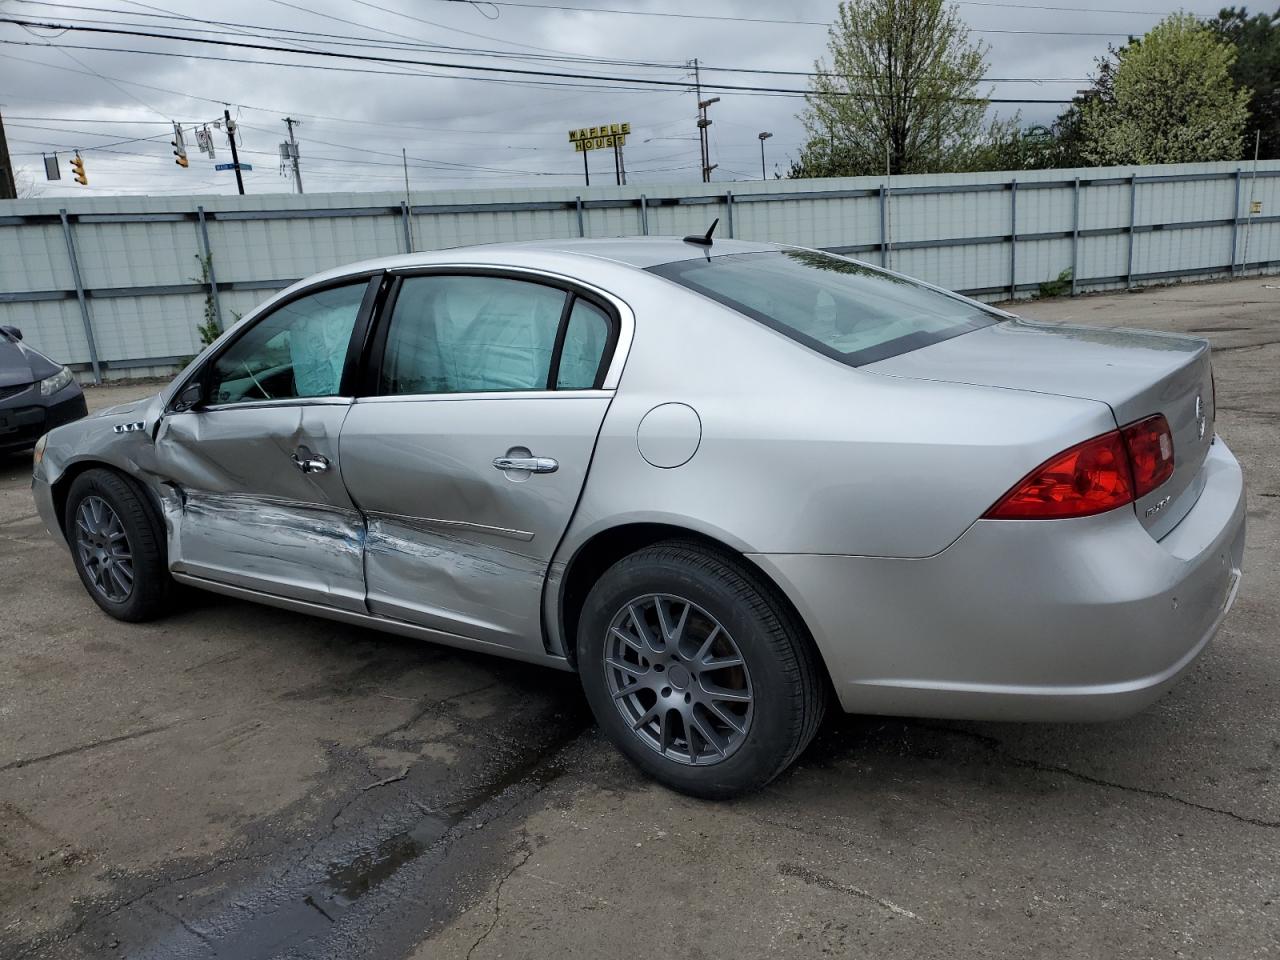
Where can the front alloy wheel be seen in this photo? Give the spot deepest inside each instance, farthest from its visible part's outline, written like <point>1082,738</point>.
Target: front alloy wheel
<point>104,549</point>
<point>117,541</point>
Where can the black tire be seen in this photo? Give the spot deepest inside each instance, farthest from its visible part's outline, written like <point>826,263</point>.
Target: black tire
<point>152,588</point>
<point>786,679</point>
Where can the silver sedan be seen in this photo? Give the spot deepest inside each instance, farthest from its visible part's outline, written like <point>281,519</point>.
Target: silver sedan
<point>725,482</point>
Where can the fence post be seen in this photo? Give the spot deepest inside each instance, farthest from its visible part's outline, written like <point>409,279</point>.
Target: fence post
<point>728,196</point>
<point>404,224</point>
<point>884,227</point>
<point>582,225</point>
<point>1235,223</point>
<point>84,305</point>
<point>1013,239</point>
<point>1075,235</point>
<point>644,215</point>
<point>207,253</point>
<point>1133,213</point>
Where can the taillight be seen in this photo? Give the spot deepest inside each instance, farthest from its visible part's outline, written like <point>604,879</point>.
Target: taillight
<point>1150,446</point>
<point>1093,477</point>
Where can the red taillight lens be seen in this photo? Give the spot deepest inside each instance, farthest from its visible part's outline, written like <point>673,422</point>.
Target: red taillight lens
<point>1150,444</point>
<point>1092,477</point>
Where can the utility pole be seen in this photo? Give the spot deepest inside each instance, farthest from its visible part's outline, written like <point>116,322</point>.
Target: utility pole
<point>293,151</point>
<point>704,138</point>
<point>763,137</point>
<point>8,182</point>
<point>703,124</point>
<point>408,201</point>
<point>235,155</point>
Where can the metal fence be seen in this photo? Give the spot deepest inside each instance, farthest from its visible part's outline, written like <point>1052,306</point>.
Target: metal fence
<point>113,286</point>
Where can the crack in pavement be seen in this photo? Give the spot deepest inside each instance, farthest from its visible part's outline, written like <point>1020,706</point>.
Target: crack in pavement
<point>497,897</point>
<point>91,745</point>
<point>1231,348</point>
<point>998,748</point>
<point>154,888</point>
<point>838,886</point>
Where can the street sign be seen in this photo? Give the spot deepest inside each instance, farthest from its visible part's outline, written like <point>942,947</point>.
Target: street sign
<point>1038,135</point>
<point>232,166</point>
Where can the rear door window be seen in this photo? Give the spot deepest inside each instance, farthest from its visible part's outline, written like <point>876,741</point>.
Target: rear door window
<point>470,334</point>
<point>585,340</point>
<point>491,334</point>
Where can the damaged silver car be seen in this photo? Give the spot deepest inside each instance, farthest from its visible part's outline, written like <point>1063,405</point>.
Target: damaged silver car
<point>725,482</point>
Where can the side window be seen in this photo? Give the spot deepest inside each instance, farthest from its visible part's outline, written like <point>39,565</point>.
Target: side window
<point>298,350</point>
<point>470,334</point>
<point>585,340</point>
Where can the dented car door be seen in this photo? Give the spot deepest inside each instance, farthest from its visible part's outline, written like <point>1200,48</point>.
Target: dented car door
<point>253,479</point>
<point>469,457</point>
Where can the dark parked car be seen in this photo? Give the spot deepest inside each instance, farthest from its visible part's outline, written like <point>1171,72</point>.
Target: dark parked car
<point>36,394</point>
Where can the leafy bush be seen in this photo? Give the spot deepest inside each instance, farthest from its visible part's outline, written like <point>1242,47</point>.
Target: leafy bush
<point>1056,288</point>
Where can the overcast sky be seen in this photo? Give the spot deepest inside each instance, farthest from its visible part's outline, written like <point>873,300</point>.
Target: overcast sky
<point>462,133</point>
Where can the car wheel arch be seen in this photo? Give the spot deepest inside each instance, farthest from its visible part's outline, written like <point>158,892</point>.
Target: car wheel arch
<point>60,489</point>
<point>608,546</point>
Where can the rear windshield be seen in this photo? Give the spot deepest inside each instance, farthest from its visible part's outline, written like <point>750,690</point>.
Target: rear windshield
<point>846,310</point>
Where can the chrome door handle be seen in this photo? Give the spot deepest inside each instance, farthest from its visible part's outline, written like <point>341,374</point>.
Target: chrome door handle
<point>531,464</point>
<point>311,464</point>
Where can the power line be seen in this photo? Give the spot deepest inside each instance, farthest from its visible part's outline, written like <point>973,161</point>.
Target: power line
<point>365,26</point>
<point>279,109</point>
<point>808,23</point>
<point>269,32</point>
<point>333,69</point>
<point>135,123</point>
<point>398,43</point>
<point>481,68</point>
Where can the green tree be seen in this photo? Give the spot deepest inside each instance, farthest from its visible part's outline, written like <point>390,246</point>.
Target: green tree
<point>901,90</point>
<point>1257,67</point>
<point>1166,98</point>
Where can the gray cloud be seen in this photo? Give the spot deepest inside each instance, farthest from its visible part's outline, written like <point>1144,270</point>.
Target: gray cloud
<point>460,133</point>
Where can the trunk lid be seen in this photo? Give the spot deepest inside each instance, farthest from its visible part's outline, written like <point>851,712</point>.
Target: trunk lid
<point>1136,373</point>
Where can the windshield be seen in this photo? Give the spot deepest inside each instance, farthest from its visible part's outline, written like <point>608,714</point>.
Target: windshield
<point>846,310</point>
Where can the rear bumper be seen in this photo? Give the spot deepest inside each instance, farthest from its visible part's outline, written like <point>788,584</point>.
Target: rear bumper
<point>1086,619</point>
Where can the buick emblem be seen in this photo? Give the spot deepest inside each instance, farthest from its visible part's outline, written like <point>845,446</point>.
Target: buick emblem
<point>1201,420</point>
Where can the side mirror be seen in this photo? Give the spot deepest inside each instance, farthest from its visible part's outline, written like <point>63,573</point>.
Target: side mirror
<point>13,332</point>
<point>191,395</point>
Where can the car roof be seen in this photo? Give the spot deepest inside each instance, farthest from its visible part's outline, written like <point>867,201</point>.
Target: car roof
<point>637,252</point>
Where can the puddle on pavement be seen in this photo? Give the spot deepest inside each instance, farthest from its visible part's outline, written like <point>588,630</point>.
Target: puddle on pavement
<point>279,925</point>
<point>350,881</point>
<point>271,921</point>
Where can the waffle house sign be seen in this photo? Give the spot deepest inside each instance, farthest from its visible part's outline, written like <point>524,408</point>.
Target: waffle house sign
<point>608,136</point>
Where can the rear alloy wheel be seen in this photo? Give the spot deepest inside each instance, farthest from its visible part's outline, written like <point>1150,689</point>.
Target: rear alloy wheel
<point>678,679</point>
<point>118,545</point>
<point>697,671</point>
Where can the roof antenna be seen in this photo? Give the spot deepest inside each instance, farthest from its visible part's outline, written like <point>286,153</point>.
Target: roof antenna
<point>704,241</point>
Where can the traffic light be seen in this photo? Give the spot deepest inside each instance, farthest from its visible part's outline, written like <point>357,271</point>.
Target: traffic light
<point>179,147</point>
<point>77,165</point>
